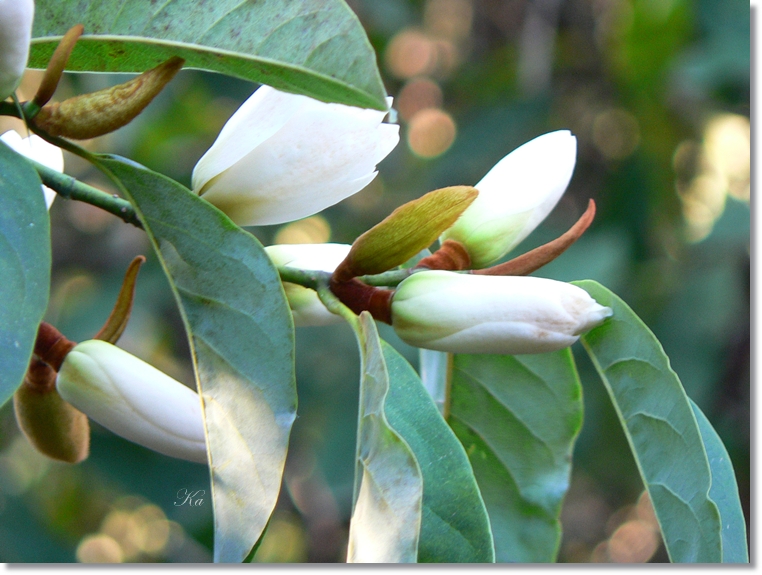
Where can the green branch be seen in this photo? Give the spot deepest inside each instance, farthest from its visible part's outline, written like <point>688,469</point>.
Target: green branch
<point>73,189</point>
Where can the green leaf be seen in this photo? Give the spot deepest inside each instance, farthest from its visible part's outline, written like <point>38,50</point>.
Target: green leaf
<point>724,492</point>
<point>661,428</point>
<point>388,484</point>
<point>24,266</point>
<point>242,342</point>
<point>518,418</point>
<point>312,47</point>
<point>455,526</point>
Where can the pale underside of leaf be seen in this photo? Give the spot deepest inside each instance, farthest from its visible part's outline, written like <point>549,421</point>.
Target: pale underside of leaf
<point>313,47</point>
<point>241,337</point>
<point>386,519</point>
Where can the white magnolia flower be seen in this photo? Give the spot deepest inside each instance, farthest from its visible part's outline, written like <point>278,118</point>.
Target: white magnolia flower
<point>462,313</point>
<point>16,18</point>
<point>515,196</point>
<point>133,399</point>
<point>282,157</point>
<point>40,151</point>
<point>306,307</point>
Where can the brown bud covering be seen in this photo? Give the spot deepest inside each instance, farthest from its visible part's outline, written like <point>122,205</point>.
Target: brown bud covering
<point>533,260</point>
<point>91,115</point>
<point>360,297</point>
<point>405,232</point>
<point>57,65</point>
<point>120,315</point>
<point>450,256</point>
<point>53,426</point>
<point>51,346</point>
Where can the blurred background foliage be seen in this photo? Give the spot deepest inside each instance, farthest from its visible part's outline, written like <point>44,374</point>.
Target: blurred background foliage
<point>657,93</point>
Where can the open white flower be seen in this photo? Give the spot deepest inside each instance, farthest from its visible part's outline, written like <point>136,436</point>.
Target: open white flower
<point>40,151</point>
<point>133,399</point>
<point>282,157</point>
<point>16,17</point>
<point>515,196</point>
<point>462,313</point>
<point>306,307</point>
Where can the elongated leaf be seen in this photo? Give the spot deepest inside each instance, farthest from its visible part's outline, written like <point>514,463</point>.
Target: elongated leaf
<point>661,428</point>
<point>24,266</point>
<point>724,493</point>
<point>518,418</point>
<point>388,484</point>
<point>242,342</point>
<point>455,526</point>
<point>312,47</point>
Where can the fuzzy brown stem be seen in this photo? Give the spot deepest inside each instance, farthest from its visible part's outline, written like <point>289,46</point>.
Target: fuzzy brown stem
<point>360,297</point>
<point>533,260</point>
<point>52,346</point>
<point>451,256</point>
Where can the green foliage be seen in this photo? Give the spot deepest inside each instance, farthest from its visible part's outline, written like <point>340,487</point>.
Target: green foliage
<point>241,336</point>
<point>24,266</point>
<point>661,429</point>
<point>518,418</point>
<point>724,492</point>
<point>455,526</point>
<point>386,519</point>
<point>312,47</point>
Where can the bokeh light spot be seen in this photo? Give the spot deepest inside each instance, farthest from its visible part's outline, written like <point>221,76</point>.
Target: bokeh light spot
<point>99,549</point>
<point>431,132</point>
<point>616,133</point>
<point>312,230</point>
<point>410,53</point>
<point>416,95</point>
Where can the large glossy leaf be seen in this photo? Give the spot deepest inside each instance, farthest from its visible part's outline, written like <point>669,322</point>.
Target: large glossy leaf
<point>386,519</point>
<point>24,266</point>
<point>455,526</point>
<point>242,340</point>
<point>724,493</point>
<point>661,428</point>
<point>518,418</point>
<point>312,47</point>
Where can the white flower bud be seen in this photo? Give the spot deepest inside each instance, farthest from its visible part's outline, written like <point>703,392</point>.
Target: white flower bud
<point>305,304</point>
<point>282,157</point>
<point>16,17</point>
<point>40,151</point>
<point>515,196</point>
<point>133,399</point>
<point>510,315</point>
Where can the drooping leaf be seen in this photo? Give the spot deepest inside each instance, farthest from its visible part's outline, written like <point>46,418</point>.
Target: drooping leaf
<point>242,343</point>
<point>24,266</point>
<point>386,519</point>
<point>724,493</point>
<point>312,47</point>
<point>661,428</point>
<point>455,526</point>
<point>518,418</point>
<point>410,228</point>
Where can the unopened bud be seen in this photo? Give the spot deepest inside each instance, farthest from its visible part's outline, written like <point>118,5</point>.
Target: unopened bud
<point>16,18</point>
<point>133,399</point>
<point>53,426</point>
<point>515,196</point>
<point>92,115</point>
<point>509,315</point>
